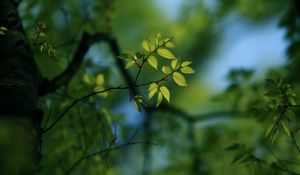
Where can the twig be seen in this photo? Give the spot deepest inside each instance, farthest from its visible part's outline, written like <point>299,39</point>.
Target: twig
<point>91,155</point>
<point>98,92</point>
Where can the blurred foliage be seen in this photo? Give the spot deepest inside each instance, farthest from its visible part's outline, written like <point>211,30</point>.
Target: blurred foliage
<point>192,137</point>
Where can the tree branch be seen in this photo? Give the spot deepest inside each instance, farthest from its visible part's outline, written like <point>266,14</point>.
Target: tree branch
<point>91,155</point>
<point>198,117</point>
<point>50,86</point>
<point>85,42</point>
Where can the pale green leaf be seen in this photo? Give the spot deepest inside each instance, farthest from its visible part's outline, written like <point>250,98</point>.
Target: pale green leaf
<point>98,89</point>
<point>174,64</point>
<point>129,64</point>
<point>159,99</point>
<point>152,61</point>
<point>146,45</point>
<point>152,93</point>
<point>187,70</point>
<point>100,79</point>
<point>169,44</point>
<point>166,70</point>
<point>89,79</point>
<point>166,93</point>
<point>41,48</point>
<point>152,86</point>
<point>137,105</point>
<point>3,28</point>
<point>186,63</point>
<point>165,53</point>
<point>179,79</point>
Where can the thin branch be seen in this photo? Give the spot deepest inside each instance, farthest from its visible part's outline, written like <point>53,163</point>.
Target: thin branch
<point>85,42</point>
<point>98,92</point>
<point>91,155</point>
<point>198,117</point>
<point>50,86</point>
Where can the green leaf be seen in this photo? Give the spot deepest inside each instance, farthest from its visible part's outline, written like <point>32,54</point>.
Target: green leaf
<point>273,93</point>
<point>169,44</point>
<point>124,56</point>
<point>158,38</point>
<point>187,70</point>
<point>152,61</point>
<point>274,136</point>
<point>186,63</point>
<point>100,79</point>
<point>98,89</point>
<point>159,99</point>
<point>152,93</point>
<point>152,86</point>
<point>286,127</point>
<point>292,101</point>
<point>239,155</point>
<point>179,79</point>
<point>166,93</point>
<point>269,130</point>
<point>3,30</point>
<point>41,48</point>
<point>146,45</point>
<point>165,53</point>
<point>137,105</point>
<point>174,64</point>
<point>129,64</point>
<point>152,90</point>
<point>89,78</point>
<point>166,70</point>
<point>107,116</point>
<point>234,146</point>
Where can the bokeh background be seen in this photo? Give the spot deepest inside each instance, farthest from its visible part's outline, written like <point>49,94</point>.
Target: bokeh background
<point>234,45</point>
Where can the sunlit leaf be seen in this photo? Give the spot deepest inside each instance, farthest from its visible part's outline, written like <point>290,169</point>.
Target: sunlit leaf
<point>152,93</point>
<point>169,44</point>
<point>179,79</point>
<point>99,79</point>
<point>187,70</point>
<point>166,93</point>
<point>152,86</point>
<point>137,105</point>
<point>3,30</point>
<point>100,88</point>
<point>129,64</point>
<point>152,61</point>
<point>89,78</point>
<point>159,99</point>
<point>174,64</point>
<point>165,53</point>
<point>186,63</point>
<point>146,45</point>
<point>166,70</point>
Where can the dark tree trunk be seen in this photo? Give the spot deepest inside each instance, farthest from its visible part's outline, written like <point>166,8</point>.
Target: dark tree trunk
<point>20,132</point>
